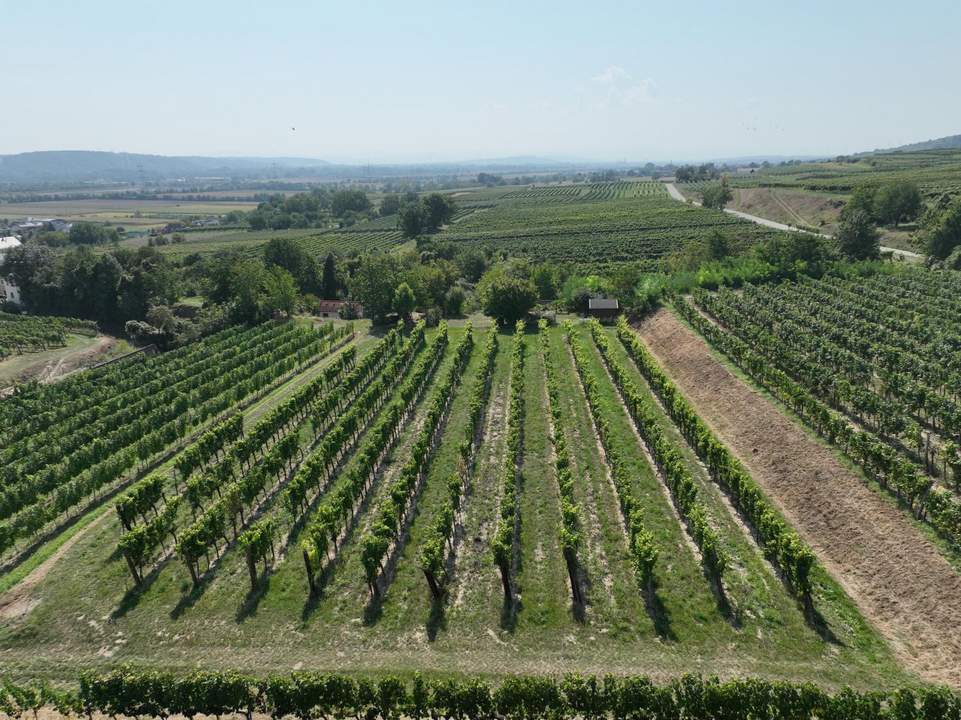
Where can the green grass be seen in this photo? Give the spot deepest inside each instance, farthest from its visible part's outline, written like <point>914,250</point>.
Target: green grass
<point>17,367</point>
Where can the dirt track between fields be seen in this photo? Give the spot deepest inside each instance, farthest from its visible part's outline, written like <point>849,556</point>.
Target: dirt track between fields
<point>897,577</point>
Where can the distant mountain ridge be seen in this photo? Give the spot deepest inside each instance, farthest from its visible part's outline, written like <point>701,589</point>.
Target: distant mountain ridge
<point>92,165</point>
<point>949,142</point>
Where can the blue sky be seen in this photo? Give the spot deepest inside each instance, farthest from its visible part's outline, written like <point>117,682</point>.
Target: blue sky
<point>409,81</point>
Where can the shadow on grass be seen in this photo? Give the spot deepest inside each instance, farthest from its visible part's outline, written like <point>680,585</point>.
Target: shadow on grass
<point>190,599</point>
<point>510,607</point>
<point>815,620</point>
<point>437,620</point>
<point>132,597</point>
<point>724,605</point>
<point>252,600</point>
<point>659,615</point>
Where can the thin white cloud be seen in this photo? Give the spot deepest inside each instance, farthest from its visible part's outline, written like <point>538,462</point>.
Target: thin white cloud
<point>619,87</point>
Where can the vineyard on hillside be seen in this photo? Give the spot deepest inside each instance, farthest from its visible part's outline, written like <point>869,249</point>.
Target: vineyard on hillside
<point>871,363</point>
<point>457,497</point>
<point>65,446</point>
<point>936,172</point>
<point>592,225</point>
<point>595,225</point>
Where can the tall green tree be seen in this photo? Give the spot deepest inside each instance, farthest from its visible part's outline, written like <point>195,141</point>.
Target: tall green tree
<point>897,202</point>
<point>404,301</point>
<point>374,282</point>
<point>858,238</point>
<point>412,220</point>
<point>716,195</point>
<point>330,284</point>
<point>280,291</point>
<point>506,297</point>
<point>291,256</point>
<point>942,233</point>
<point>438,210</point>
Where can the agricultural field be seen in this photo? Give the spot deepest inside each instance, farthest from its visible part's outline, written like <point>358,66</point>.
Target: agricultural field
<point>459,500</point>
<point>873,364</point>
<point>134,215</point>
<point>67,445</point>
<point>359,240</point>
<point>593,225</point>
<point>935,171</point>
<point>810,195</point>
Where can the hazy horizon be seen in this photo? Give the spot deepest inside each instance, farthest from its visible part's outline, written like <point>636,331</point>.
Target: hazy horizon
<point>374,83</point>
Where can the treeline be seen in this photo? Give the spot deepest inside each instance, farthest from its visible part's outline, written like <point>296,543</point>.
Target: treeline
<point>697,173</point>
<point>310,209</point>
<point>111,287</point>
<point>145,694</point>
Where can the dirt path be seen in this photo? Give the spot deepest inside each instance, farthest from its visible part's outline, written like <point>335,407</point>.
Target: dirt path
<point>676,194</point>
<point>899,580</point>
<point>20,600</point>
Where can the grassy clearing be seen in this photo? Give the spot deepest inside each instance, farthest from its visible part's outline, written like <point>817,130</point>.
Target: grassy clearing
<point>18,368</point>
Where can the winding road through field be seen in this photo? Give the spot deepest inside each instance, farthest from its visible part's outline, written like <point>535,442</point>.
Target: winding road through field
<point>677,195</point>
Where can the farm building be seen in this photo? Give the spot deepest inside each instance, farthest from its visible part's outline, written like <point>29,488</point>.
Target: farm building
<point>8,291</point>
<point>339,308</point>
<point>603,308</point>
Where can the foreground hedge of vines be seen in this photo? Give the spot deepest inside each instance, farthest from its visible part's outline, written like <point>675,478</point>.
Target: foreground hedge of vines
<point>306,695</point>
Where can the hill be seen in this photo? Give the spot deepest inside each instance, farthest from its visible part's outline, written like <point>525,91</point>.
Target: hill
<point>87,165</point>
<point>949,142</point>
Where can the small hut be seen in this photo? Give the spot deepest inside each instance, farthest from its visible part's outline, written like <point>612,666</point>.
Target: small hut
<point>604,309</point>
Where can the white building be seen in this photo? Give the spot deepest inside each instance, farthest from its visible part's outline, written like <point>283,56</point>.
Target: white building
<point>8,290</point>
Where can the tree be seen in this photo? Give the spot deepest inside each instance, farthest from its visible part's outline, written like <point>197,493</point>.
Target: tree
<point>718,245</point>
<point>471,263</point>
<point>862,200</point>
<point>942,233</point>
<point>373,284</point>
<point>438,210</point>
<point>505,297</point>
<point>716,195</point>
<point>86,233</point>
<point>412,220</point>
<point>454,302</point>
<point>858,238</point>
<point>280,291</point>
<point>343,201</point>
<point>289,255</point>
<point>897,202</point>
<point>330,284</point>
<point>389,205</point>
<point>545,277</point>
<point>404,301</point>
<point>624,281</point>
<point>247,290</point>
<point>104,292</point>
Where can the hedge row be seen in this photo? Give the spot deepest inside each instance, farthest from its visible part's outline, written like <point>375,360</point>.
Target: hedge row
<point>307,695</point>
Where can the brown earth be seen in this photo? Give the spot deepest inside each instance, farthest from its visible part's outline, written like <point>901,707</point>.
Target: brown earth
<point>898,578</point>
<point>799,208</point>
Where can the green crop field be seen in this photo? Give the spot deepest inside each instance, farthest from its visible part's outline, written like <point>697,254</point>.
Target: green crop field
<point>379,475</point>
<point>850,347</point>
<point>593,225</point>
<point>935,171</point>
